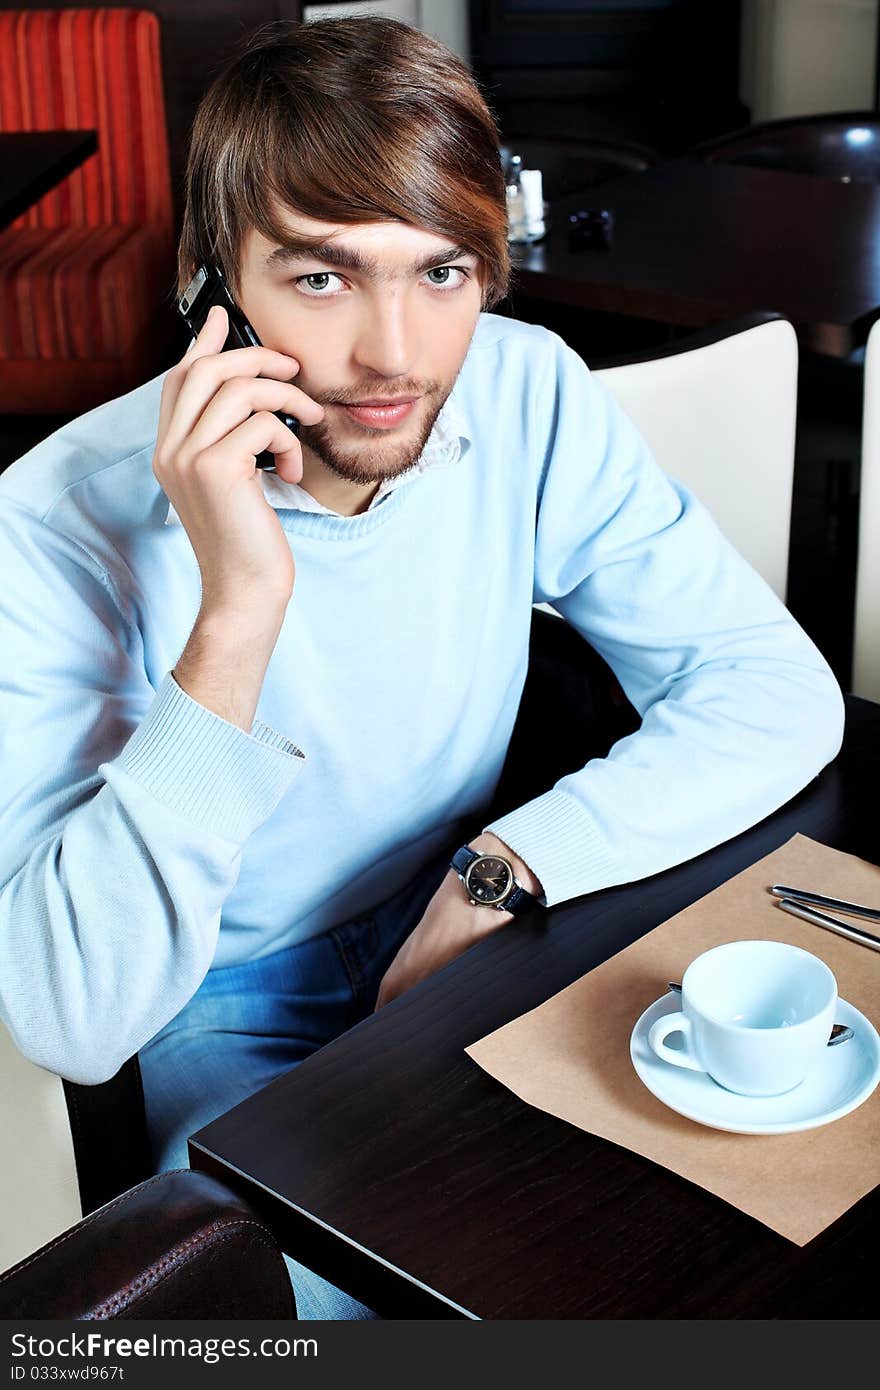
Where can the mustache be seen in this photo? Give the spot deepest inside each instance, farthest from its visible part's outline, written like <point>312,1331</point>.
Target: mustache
<point>379,392</point>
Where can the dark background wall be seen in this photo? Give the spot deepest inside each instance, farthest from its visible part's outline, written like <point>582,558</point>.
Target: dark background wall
<point>664,73</point>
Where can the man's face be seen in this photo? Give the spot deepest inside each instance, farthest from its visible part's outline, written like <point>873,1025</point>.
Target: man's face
<point>383,313</point>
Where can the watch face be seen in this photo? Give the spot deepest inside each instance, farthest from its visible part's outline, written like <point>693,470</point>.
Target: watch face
<point>489,879</point>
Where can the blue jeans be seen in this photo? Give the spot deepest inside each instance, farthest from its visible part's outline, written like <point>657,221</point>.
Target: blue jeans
<point>247,1024</point>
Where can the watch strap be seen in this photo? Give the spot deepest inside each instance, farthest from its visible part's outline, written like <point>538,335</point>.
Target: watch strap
<point>520,900</point>
<point>463,858</point>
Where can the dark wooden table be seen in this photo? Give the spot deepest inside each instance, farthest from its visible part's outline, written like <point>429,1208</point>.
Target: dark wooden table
<point>394,1166</point>
<point>695,244</point>
<point>32,162</point>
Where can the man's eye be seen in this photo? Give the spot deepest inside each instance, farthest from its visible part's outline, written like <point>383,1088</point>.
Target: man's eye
<point>445,271</point>
<point>316,283</point>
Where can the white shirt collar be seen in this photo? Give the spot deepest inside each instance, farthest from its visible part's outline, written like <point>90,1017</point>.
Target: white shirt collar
<point>443,448</point>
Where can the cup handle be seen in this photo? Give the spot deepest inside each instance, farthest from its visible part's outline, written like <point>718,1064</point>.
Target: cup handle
<point>659,1032</point>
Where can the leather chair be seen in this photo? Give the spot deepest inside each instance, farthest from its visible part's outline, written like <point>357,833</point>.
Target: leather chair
<point>180,1245</point>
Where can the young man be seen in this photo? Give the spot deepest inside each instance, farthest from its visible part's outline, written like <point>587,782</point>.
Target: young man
<point>221,892</point>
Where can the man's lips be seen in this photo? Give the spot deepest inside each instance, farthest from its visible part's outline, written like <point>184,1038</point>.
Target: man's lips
<point>382,414</point>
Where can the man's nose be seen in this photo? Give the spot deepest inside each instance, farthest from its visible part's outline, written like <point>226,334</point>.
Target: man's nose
<point>386,343</point>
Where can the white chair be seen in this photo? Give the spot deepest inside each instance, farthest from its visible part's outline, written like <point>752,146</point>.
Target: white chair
<point>866,635</point>
<point>718,410</point>
<point>39,1190</point>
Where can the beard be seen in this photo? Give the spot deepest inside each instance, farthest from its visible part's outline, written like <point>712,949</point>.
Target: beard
<point>377,454</point>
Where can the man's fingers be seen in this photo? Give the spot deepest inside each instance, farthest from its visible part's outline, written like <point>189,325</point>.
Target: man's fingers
<point>212,398</point>
<point>233,403</point>
<point>212,334</point>
<point>208,339</point>
<point>214,331</point>
<point>262,430</point>
<point>209,342</point>
<point>216,316</point>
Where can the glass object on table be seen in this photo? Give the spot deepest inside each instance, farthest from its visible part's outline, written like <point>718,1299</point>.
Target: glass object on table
<point>516,202</point>
<point>525,203</point>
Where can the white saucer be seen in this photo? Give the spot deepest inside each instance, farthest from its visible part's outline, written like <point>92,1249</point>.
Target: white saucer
<point>846,1076</point>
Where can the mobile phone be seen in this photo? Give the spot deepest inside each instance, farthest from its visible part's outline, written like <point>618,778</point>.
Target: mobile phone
<point>207,288</point>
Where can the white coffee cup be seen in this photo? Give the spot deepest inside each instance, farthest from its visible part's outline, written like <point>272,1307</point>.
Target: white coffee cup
<point>755,1015</point>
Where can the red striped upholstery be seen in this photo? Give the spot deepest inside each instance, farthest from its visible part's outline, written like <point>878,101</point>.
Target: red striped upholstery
<point>86,270</point>
<point>94,283</point>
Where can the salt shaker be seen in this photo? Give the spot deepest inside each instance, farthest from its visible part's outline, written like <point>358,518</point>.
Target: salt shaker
<point>516,202</point>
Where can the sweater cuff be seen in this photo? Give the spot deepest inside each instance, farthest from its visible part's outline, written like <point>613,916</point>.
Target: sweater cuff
<point>554,835</point>
<point>224,780</point>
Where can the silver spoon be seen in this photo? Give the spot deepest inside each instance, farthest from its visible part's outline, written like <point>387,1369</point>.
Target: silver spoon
<point>839,1033</point>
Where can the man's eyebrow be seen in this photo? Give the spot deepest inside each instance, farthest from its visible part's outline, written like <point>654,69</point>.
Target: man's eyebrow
<point>349,258</point>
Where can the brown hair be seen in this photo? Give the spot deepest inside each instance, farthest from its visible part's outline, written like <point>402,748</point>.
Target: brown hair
<point>344,120</point>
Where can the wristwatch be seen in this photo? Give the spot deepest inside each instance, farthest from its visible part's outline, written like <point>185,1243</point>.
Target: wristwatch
<point>489,881</point>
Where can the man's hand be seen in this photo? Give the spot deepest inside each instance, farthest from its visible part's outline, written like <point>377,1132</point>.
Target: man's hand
<point>215,416</point>
<point>450,925</point>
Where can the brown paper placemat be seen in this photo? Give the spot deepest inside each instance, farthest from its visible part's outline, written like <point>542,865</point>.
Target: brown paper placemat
<point>570,1056</point>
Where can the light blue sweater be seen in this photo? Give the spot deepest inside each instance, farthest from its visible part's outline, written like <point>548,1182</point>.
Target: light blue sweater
<point>144,839</point>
